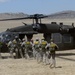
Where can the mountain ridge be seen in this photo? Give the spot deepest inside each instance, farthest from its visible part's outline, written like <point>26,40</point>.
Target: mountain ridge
<point>69,14</point>
<point>12,15</point>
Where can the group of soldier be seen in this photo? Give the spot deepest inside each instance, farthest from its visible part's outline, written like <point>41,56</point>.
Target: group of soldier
<point>41,51</point>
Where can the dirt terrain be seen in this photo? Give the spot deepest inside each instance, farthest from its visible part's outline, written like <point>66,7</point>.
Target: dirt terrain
<point>65,65</point>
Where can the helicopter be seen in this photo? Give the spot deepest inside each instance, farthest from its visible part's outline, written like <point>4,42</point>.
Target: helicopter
<point>63,35</point>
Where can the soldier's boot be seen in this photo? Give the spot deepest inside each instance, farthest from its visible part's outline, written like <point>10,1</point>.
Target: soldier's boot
<point>21,54</point>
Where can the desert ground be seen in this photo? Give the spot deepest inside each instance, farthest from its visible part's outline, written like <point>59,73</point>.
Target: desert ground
<point>65,65</point>
<point>65,60</point>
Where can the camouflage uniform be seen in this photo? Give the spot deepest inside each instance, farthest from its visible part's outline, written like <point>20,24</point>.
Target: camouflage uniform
<point>37,50</point>
<point>28,49</point>
<point>18,50</point>
<point>52,47</point>
<point>23,48</point>
<point>11,47</point>
<point>43,50</point>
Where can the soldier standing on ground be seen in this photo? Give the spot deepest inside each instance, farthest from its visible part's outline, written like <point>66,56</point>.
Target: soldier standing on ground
<point>18,50</point>
<point>11,47</point>
<point>29,51</point>
<point>23,47</point>
<point>36,51</point>
<point>52,47</point>
<point>43,50</point>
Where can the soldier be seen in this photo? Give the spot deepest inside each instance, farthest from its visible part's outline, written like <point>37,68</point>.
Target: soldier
<point>18,47</point>
<point>36,52</point>
<point>23,47</point>
<point>52,47</point>
<point>43,50</point>
<point>11,47</point>
<point>28,49</point>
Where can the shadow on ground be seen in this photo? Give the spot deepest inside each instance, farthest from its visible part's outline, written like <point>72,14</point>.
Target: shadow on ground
<point>63,56</point>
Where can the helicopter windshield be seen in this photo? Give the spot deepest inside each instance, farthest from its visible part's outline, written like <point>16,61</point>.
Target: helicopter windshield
<point>5,37</point>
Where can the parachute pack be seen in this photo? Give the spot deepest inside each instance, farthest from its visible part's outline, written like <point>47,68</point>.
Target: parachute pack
<point>53,46</point>
<point>36,45</point>
<point>43,44</point>
<point>28,45</point>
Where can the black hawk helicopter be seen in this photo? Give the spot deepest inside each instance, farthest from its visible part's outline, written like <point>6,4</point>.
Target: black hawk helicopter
<point>63,35</point>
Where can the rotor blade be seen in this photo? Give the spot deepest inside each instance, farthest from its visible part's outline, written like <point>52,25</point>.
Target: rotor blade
<point>35,16</point>
<point>30,17</point>
<point>43,16</point>
<point>14,19</point>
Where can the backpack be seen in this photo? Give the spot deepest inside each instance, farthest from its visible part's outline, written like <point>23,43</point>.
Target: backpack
<point>53,47</point>
<point>28,45</point>
<point>36,46</point>
<point>43,44</point>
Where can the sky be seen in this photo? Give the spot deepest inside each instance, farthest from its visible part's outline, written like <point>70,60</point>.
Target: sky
<point>36,6</point>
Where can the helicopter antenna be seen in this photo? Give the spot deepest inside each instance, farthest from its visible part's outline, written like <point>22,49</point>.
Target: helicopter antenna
<point>24,23</point>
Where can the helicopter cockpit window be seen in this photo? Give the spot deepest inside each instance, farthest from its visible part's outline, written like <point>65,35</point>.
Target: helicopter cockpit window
<point>8,36</point>
<point>66,38</point>
<point>57,37</point>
